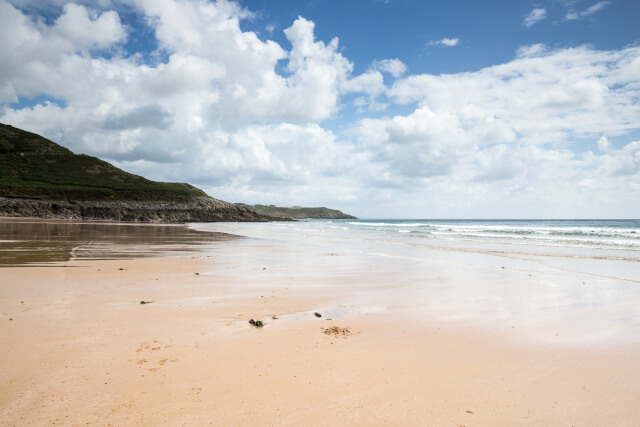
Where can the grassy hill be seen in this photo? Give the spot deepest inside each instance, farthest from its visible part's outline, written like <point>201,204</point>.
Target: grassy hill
<point>297,212</point>
<point>34,167</point>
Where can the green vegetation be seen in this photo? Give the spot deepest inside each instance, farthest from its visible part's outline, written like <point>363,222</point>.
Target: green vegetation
<point>297,212</point>
<point>34,167</point>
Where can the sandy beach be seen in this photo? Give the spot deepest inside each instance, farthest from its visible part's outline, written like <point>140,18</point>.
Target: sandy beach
<point>430,337</point>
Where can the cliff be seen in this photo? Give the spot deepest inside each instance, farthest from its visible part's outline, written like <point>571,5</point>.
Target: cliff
<point>202,209</point>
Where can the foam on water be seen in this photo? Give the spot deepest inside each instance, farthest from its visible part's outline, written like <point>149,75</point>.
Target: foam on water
<point>606,234</point>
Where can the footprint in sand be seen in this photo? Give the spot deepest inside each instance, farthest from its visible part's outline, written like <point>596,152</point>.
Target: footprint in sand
<point>194,392</point>
<point>152,350</point>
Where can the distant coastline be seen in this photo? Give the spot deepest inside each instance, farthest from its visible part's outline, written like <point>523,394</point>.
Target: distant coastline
<point>298,212</point>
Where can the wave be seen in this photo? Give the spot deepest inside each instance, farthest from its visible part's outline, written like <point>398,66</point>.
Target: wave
<point>388,224</point>
<point>614,234</point>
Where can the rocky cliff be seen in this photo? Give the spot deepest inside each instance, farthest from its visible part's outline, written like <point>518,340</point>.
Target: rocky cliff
<point>202,209</point>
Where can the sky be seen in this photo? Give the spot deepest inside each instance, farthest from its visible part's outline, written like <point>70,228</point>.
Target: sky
<point>380,108</point>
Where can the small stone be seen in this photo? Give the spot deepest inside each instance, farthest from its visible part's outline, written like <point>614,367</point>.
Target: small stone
<point>253,322</point>
<point>120,269</point>
<point>197,274</point>
<point>146,302</point>
<point>317,314</point>
<point>274,317</point>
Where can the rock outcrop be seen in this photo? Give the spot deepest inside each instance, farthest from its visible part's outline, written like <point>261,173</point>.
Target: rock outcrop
<point>298,212</point>
<point>201,209</point>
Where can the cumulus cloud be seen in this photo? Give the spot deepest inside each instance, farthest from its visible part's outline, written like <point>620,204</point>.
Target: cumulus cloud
<point>395,67</point>
<point>543,98</point>
<point>577,15</point>
<point>624,162</point>
<point>444,42</point>
<point>370,83</point>
<point>531,50</point>
<point>604,144</point>
<point>535,16</point>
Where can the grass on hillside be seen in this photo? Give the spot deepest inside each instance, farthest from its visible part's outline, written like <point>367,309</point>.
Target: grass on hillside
<point>32,166</point>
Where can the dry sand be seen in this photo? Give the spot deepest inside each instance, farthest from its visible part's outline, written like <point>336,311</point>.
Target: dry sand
<point>79,348</point>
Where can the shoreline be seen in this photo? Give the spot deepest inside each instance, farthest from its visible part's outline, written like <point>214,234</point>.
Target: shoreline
<point>82,349</point>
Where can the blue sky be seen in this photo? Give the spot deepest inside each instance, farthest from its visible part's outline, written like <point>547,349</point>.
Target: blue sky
<point>391,108</point>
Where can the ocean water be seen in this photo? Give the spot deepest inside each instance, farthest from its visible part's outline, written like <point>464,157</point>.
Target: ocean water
<point>582,239</point>
<point>618,239</point>
<point>595,234</point>
<point>602,239</point>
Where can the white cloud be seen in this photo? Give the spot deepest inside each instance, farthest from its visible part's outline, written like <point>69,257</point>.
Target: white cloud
<point>574,15</point>
<point>370,83</point>
<point>444,42</point>
<point>604,144</point>
<point>85,30</point>
<point>395,67</point>
<point>622,163</point>
<point>532,50</point>
<point>550,98</point>
<point>535,16</point>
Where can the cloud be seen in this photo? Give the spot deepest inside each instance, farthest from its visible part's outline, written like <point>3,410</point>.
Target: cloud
<point>530,51</point>
<point>604,144</point>
<point>444,42</point>
<point>395,67</point>
<point>573,15</point>
<point>535,16</point>
<point>370,83</point>
<point>141,117</point>
<point>550,97</point>
<point>622,163</point>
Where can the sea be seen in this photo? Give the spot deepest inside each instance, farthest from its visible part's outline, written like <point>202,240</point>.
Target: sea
<point>594,234</point>
<point>617,239</point>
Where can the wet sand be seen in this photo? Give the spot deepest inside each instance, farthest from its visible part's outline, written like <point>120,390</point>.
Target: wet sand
<point>78,347</point>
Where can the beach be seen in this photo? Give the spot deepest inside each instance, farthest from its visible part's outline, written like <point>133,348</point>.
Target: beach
<point>449,332</point>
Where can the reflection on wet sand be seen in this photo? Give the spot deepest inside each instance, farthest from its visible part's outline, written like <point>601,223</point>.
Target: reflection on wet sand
<point>34,241</point>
